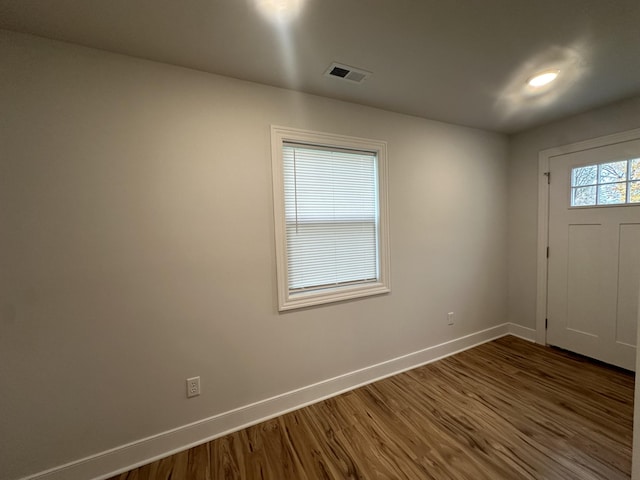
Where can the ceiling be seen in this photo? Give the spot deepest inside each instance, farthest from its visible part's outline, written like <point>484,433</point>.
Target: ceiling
<point>459,61</point>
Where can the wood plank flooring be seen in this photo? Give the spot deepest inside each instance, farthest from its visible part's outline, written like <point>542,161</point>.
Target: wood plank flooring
<point>507,409</point>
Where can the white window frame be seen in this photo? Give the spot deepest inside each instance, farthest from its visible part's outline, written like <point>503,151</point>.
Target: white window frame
<point>286,300</point>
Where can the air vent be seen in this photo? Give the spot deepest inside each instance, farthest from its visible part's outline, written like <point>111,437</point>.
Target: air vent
<point>345,72</point>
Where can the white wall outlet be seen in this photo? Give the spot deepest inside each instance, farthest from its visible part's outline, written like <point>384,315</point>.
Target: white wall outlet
<point>450,318</point>
<point>193,387</point>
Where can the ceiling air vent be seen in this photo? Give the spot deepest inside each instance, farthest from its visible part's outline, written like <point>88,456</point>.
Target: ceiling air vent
<point>345,72</point>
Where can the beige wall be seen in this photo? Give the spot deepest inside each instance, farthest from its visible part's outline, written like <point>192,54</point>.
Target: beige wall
<point>137,248</point>
<point>523,192</point>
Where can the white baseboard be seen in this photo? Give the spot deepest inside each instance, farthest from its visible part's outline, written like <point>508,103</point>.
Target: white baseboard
<point>522,332</point>
<point>141,452</point>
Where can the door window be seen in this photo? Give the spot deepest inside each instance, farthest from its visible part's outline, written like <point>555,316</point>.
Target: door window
<point>611,183</point>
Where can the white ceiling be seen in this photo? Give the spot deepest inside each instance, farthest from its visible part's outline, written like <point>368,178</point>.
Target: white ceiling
<point>460,61</point>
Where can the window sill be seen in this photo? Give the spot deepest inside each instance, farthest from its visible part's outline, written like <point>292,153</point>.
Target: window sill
<point>309,299</point>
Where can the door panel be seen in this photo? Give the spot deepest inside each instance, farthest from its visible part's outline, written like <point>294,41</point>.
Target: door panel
<point>594,263</point>
<point>628,283</point>
<point>583,278</point>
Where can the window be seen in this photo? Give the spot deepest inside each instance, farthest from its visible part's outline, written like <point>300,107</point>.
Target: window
<point>612,183</point>
<point>330,207</point>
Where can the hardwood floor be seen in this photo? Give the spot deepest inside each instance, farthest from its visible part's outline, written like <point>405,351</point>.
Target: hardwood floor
<point>507,409</point>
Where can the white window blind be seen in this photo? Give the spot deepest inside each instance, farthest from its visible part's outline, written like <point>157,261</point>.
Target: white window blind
<point>331,214</point>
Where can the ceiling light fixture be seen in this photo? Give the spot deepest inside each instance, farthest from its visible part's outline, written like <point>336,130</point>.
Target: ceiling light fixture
<point>279,9</point>
<point>543,78</point>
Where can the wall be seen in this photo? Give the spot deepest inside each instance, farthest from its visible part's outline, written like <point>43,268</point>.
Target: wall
<point>523,192</point>
<point>138,248</point>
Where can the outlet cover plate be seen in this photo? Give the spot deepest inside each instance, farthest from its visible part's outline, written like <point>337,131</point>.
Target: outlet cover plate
<point>193,387</point>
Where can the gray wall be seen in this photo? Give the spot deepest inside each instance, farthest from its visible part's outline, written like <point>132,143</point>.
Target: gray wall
<point>137,248</point>
<point>523,192</point>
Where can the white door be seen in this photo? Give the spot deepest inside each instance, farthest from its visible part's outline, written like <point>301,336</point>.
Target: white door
<point>594,252</point>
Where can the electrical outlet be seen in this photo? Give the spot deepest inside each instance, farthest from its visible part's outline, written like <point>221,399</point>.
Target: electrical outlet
<point>193,387</point>
<point>450,318</point>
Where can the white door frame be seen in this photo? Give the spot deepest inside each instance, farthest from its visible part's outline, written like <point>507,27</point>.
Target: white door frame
<point>544,163</point>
